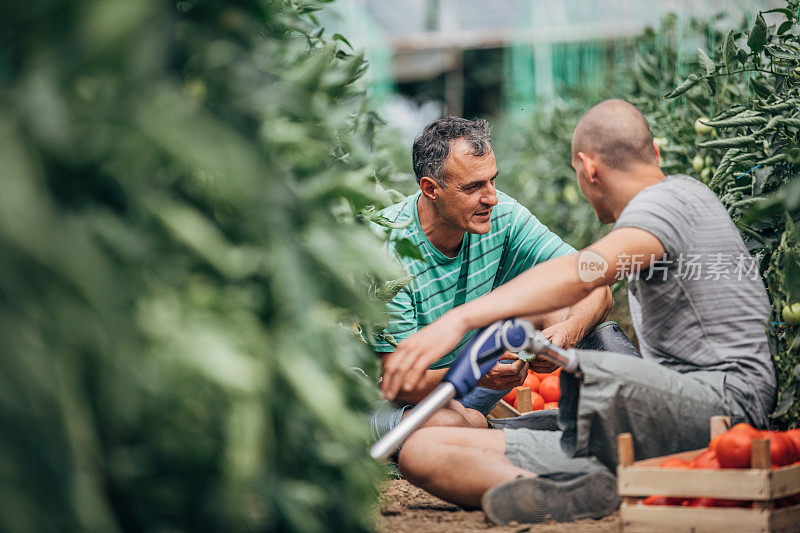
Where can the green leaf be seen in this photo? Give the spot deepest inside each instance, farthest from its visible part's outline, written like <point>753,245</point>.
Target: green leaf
<point>758,35</point>
<point>340,37</point>
<point>791,274</point>
<point>690,82</point>
<point>390,288</point>
<point>747,118</point>
<point>783,28</point>
<point>785,11</point>
<point>386,223</point>
<point>729,51</point>
<point>730,112</point>
<point>786,401</point>
<point>762,89</point>
<point>741,55</point>
<point>406,248</point>
<point>705,61</point>
<point>744,140</point>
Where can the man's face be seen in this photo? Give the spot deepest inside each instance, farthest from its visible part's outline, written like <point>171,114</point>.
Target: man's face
<point>591,191</point>
<point>466,202</point>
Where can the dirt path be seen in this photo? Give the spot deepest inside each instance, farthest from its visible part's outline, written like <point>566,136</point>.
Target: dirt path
<point>407,509</point>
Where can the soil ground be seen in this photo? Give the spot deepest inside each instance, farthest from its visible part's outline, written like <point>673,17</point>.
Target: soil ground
<point>408,509</point>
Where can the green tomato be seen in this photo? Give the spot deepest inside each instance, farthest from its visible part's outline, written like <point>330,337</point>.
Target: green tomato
<point>705,174</point>
<point>702,129</point>
<point>661,142</point>
<point>791,314</point>
<point>698,163</point>
<point>709,160</point>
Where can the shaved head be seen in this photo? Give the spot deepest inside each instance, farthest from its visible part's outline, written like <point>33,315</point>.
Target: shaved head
<point>615,132</point>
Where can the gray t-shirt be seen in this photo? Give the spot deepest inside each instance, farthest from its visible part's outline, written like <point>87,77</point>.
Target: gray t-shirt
<point>704,306</point>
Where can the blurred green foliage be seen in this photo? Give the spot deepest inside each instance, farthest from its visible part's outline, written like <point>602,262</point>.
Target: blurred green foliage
<point>176,242</point>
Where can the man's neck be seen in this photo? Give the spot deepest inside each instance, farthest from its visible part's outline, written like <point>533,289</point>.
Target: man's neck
<point>441,235</point>
<point>629,187</point>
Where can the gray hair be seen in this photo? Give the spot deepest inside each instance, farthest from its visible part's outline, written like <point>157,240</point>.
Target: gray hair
<point>432,146</point>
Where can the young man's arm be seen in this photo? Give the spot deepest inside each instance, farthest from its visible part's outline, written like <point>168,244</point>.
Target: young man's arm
<point>546,287</point>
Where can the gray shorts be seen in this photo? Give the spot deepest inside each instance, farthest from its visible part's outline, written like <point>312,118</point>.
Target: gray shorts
<point>665,411</point>
<point>540,452</point>
<point>384,416</point>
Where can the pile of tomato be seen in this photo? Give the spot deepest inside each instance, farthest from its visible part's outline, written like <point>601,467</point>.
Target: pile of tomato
<point>732,449</point>
<point>545,390</point>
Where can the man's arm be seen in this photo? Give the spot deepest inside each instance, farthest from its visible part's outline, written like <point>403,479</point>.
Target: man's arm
<point>431,379</point>
<point>546,287</point>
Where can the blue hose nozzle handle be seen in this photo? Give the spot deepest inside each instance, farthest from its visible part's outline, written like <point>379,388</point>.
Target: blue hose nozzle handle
<point>483,351</point>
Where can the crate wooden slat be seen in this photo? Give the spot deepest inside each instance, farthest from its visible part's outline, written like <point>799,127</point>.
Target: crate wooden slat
<point>503,410</point>
<point>642,518</point>
<point>645,478</point>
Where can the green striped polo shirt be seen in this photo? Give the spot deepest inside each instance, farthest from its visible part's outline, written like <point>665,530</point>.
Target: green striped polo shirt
<point>515,242</point>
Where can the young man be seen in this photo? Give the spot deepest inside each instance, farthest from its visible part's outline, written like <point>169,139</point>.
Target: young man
<point>699,309</point>
<point>474,238</point>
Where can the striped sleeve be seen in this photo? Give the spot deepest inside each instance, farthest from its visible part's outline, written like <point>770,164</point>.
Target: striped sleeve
<point>529,243</point>
<point>402,322</point>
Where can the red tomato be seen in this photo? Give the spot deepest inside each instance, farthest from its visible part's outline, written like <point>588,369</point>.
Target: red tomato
<point>537,402</point>
<point>662,500</point>
<point>794,434</point>
<point>511,397</point>
<point>532,381</point>
<point>674,462</point>
<point>706,460</point>
<point>712,445</point>
<point>701,502</point>
<point>550,389</point>
<point>733,449</point>
<point>550,405</point>
<point>781,448</point>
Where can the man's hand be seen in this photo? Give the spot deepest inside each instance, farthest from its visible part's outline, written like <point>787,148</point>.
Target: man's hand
<point>405,367</point>
<point>564,335</point>
<point>505,376</point>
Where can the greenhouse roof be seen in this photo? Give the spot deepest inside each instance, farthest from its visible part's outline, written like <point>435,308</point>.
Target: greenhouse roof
<point>436,24</point>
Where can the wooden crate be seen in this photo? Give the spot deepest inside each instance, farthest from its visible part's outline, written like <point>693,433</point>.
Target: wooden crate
<point>503,410</point>
<point>762,485</point>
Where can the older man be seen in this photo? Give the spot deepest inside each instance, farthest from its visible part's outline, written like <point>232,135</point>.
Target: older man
<point>702,333</point>
<point>473,239</point>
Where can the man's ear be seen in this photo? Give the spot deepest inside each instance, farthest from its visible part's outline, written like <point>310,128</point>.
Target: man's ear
<point>429,187</point>
<point>658,153</point>
<point>590,165</point>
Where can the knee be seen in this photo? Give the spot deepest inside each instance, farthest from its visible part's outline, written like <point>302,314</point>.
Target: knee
<point>414,459</point>
<point>449,418</point>
<point>475,419</point>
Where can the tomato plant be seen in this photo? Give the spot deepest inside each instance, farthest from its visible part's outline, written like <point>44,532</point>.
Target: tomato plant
<point>750,81</point>
<point>176,241</point>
